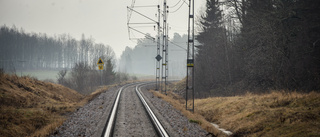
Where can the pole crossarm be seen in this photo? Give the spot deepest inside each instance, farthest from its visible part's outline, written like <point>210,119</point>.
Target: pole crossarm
<point>137,23</point>
<point>147,36</point>
<point>142,15</point>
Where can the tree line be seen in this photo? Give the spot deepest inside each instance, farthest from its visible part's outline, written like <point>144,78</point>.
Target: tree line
<point>33,51</point>
<point>255,45</point>
<point>76,60</point>
<point>141,58</point>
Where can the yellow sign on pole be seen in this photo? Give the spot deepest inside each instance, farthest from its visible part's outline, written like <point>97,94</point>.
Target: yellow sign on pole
<point>100,62</point>
<point>100,67</point>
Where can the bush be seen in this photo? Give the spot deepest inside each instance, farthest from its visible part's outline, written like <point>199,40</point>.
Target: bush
<point>85,79</point>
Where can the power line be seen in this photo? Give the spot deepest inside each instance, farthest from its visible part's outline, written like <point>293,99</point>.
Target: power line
<point>146,36</point>
<point>138,23</point>
<point>177,45</point>
<point>175,4</point>
<point>146,6</point>
<point>178,8</point>
<point>142,14</point>
<point>184,1</point>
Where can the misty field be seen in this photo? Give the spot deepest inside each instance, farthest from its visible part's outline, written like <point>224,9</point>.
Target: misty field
<point>40,74</point>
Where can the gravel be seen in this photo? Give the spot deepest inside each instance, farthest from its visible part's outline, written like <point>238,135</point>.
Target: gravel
<point>87,119</point>
<point>132,119</point>
<point>176,124</point>
<point>90,119</point>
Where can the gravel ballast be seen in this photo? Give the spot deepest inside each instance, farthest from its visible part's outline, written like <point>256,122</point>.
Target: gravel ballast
<point>176,124</point>
<point>90,119</point>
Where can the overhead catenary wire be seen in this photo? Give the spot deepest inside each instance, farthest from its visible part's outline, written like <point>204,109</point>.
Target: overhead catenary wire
<point>177,9</point>
<point>146,6</point>
<point>175,4</point>
<point>178,45</point>
<point>138,23</point>
<point>147,36</point>
<point>184,1</point>
<point>142,14</point>
<point>134,25</point>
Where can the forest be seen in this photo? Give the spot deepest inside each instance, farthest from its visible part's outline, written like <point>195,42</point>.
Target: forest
<point>75,60</point>
<point>258,46</point>
<point>35,51</point>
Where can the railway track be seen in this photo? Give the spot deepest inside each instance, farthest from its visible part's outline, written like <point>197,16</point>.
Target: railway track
<point>132,116</point>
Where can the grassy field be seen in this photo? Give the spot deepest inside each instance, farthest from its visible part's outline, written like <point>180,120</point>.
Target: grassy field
<point>277,113</point>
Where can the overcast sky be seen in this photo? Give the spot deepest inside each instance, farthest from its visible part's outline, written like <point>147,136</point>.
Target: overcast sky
<point>104,20</point>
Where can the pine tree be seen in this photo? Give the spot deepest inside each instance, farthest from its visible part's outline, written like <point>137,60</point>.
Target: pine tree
<point>211,62</point>
<point>109,72</point>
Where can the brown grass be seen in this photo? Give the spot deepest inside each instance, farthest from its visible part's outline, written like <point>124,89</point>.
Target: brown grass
<point>277,113</point>
<point>178,103</point>
<point>33,108</point>
<point>29,107</point>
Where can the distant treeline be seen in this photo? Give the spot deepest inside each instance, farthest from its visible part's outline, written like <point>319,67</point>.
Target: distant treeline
<point>257,46</point>
<point>141,58</point>
<point>27,51</point>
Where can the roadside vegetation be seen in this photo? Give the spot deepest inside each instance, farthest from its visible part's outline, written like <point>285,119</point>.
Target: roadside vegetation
<point>85,78</point>
<point>278,113</point>
<point>274,113</point>
<point>32,107</point>
<point>29,107</point>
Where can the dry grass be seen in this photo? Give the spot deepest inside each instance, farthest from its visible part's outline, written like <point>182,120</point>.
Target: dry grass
<point>29,107</point>
<point>33,108</point>
<point>178,103</point>
<point>277,113</point>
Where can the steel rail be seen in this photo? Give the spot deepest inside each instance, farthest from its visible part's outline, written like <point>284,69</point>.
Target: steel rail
<point>156,123</point>
<point>109,128</point>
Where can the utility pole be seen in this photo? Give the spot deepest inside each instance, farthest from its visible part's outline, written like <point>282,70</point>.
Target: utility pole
<point>167,57</point>
<point>164,49</point>
<point>190,57</point>
<point>158,57</point>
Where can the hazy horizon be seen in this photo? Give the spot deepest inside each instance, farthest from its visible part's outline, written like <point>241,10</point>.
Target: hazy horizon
<point>104,21</point>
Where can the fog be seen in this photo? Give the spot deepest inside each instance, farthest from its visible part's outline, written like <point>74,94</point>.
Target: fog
<point>103,20</point>
<point>141,59</point>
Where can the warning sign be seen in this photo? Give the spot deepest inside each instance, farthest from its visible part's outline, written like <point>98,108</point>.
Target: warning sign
<point>100,67</point>
<point>100,62</point>
<point>158,58</point>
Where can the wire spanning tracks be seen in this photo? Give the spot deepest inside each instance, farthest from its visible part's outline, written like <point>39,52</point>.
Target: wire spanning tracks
<point>132,116</point>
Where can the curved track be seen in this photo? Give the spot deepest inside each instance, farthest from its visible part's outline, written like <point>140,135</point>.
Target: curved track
<point>132,116</point>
